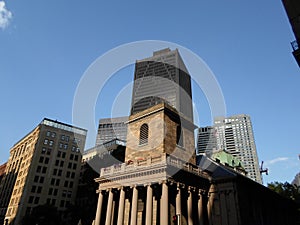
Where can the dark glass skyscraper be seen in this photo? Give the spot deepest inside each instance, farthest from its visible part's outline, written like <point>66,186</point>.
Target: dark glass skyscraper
<point>162,78</point>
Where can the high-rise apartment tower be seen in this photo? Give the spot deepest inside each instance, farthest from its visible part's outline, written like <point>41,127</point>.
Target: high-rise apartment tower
<point>235,135</point>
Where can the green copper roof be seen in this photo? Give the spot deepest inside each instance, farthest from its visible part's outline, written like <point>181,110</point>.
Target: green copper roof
<point>227,159</point>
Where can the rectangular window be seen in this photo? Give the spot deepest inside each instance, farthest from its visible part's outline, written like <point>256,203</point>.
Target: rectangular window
<point>30,200</point>
<point>39,168</point>
<point>64,193</point>
<point>53,134</point>
<point>65,146</point>
<point>52,181</point>
<point>74,166</point>
<point>70,165</point>
<point>33,188</point>
<point>57,162</point>
<point>76,158</point>
<point>50,143</point>
<point>66,183</point>
<point>55,192</point>
<point>62,137</point>
<point>62,203</point>
<point>63,155</point>
<point>73,175</point>
<point>67,138</point>
<point>57,182</point>
<point>42,180</point>
<point>44,170</point>
<point>36,178</point>
<point>46,141</point>
<point>48,133</point>
<point>54,172</point>
<point>71,184</point>
<point>68,174</point>
<point>61,145</point>
<point>39,190</point>
<point>61,163</point>
<point>59,172</point>
<point>71,157</point>
<point>46,160</point>
<point>50,191</point>
<point>41,159</point>
<point>36,200</point>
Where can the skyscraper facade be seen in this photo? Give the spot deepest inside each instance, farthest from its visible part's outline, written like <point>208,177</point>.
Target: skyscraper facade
<point>111,128</point>
<point>43,167</point>
<point>162,78</point>
<point>206,141</point>
<point>235,135</point>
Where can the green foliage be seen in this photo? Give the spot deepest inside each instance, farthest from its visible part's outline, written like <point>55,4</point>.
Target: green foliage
<point>287,190</point>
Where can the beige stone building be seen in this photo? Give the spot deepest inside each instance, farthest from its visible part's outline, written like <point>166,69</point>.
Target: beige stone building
<point>160,184</point>
<point>43,168</point>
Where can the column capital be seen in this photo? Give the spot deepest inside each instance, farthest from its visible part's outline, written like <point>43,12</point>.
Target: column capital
<point>191,189</point>
<point>147,184</point>
<point>163,182</point>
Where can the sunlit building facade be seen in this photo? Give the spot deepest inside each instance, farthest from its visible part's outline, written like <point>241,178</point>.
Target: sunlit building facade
<point>43,168</point>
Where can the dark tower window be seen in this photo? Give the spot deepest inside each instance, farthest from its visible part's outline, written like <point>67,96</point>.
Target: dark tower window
<point>144,130</point>
<point>179,136</point>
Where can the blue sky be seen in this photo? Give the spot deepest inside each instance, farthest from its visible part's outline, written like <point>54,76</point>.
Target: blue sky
<point>46,47</point>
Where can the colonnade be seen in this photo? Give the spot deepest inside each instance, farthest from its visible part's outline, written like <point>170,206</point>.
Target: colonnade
<point>115,200</point>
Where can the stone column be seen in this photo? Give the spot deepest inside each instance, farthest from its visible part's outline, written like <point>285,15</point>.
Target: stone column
<point>190,207</point>
<point>178,201</point>
<point>121,207</point>
<point>164,203</point>
<point>200,209</point>
<point>99,209</point>
<point>109,208</point>
<point>134,206</point>
<point>149,205</point>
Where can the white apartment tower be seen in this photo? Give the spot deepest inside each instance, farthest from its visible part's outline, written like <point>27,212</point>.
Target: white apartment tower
<point>235,135</point>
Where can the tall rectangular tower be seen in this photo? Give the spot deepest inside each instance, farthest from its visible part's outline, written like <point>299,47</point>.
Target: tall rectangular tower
<point>235,135</point>
<point>206,141</point>
<point>43,167</point>
<point>162,78</point>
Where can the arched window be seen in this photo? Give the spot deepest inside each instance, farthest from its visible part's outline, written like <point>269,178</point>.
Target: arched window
<point>144,130</point>
<point>179,136</point>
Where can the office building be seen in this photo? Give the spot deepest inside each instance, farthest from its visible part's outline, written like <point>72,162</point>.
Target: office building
<point>292,8</point>
<point>235,136</point>
<point>162,78</point>
<point>111,128</point>
<point>43,168</point>
<point>206,141</point>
